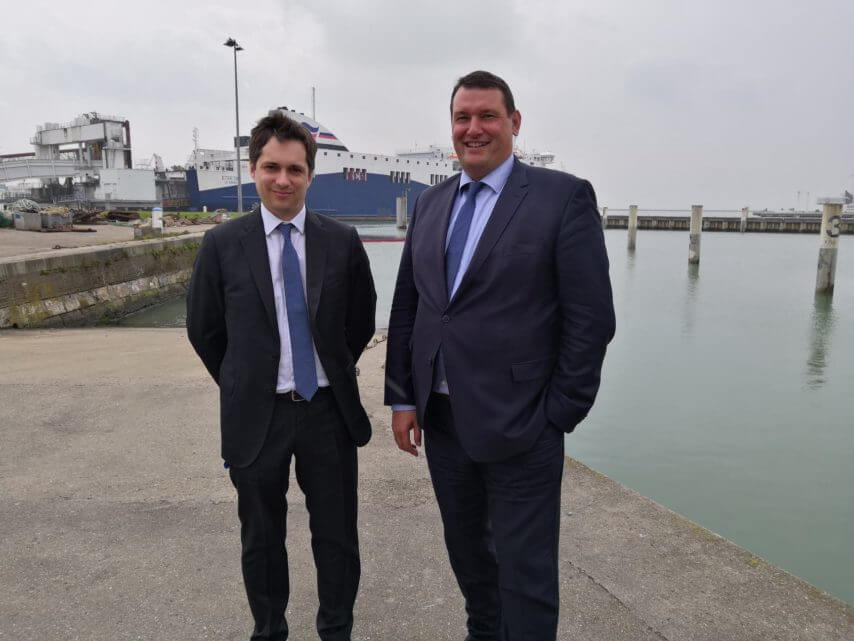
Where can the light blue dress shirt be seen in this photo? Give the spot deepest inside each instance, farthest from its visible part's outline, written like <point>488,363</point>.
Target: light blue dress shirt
<point>485,203</point>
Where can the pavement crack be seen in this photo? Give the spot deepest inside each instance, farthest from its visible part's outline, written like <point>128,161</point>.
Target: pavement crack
<point>623,604</point>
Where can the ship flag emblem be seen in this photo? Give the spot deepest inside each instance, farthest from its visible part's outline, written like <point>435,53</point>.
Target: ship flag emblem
<point>312,130</point>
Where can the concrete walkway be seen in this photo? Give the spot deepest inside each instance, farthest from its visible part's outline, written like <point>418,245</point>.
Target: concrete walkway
<point>117,521</point>
<point>14,242</point>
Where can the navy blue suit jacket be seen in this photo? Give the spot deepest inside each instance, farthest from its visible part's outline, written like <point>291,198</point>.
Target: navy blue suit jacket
<point>525,334</point>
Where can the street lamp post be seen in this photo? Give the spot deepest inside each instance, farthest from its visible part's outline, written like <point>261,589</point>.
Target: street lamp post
<point>231,42</point>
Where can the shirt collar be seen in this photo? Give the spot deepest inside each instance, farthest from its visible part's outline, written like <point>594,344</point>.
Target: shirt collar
<point>496,179</point>
<point>271,223</point>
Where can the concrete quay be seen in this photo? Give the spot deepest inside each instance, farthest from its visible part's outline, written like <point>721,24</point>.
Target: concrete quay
<point>117,521</point>
<point>14,242</point>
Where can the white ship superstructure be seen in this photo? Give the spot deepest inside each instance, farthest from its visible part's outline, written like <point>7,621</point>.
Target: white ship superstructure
<point>345,183</point>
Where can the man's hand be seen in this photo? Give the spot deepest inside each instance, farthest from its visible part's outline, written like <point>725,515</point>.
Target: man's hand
<point>402,423</point>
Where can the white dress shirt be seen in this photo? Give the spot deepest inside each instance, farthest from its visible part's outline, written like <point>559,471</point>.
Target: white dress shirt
<point>275,245</point>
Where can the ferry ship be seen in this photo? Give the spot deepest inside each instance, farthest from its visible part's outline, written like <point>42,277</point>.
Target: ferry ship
<point>346,183</point>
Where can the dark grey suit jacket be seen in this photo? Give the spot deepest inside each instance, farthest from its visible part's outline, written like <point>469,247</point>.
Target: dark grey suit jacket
<point>525,334</point>
<point>231,323</point>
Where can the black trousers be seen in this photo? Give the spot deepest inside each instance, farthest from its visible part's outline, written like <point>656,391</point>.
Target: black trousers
<point>501,522</point>
<point>314,434</point>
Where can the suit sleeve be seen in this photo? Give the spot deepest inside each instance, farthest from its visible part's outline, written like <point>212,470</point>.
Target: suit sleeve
<point>586,309</point>
<point>362,299</point>
<point>206,308</point>
<point>398,381</point>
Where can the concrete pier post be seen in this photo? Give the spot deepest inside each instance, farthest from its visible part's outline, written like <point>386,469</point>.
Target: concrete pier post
<point>694,234</point>
<point>829,247</point>
<point>604,218</point>
<point>400,203</point>
<point>745,211</point>
<point>633,226</point>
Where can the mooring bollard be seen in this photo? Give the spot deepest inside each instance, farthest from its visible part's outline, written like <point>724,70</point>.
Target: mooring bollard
<point>745,211</point>
<point>694,234</point>
<point>400,203</point>
<point>604,218</point>
<point>633,226</point>
<point>829,247</point>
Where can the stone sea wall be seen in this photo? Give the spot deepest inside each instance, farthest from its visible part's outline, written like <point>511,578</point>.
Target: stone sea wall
<point>93,285</point>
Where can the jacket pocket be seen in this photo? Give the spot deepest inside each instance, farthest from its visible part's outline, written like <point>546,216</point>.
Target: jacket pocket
<point>533,370</point>
<point>520,248</point>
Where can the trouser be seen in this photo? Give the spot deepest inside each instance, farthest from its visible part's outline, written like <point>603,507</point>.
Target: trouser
<point>501,523</point>
<point>314,434</point>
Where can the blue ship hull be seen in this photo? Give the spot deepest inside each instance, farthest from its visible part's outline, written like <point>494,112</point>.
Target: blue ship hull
<point>329,194</point>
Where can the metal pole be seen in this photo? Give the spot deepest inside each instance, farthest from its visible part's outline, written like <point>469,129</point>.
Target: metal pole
<point>237,139</point>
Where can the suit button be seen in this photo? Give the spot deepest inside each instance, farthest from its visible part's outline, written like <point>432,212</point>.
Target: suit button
<point>446,319</point>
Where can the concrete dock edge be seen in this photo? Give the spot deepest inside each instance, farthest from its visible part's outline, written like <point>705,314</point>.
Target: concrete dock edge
<point>117,521</point>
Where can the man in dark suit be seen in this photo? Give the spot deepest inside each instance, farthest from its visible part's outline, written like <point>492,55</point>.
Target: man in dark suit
<point>280,307</point>
<point>501,315</point>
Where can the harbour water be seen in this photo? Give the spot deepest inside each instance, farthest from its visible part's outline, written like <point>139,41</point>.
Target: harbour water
<point>725,392</point>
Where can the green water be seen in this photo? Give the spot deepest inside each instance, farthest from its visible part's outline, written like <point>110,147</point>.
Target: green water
<point>726,392</point>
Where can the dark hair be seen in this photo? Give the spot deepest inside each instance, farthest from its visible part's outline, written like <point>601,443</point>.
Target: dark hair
<point>485,80</point>
<point>283,128</point>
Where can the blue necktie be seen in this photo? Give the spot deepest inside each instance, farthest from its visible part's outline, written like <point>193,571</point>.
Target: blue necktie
<point>302,347</point>
<point>453,257</point>
<point>457,243</point>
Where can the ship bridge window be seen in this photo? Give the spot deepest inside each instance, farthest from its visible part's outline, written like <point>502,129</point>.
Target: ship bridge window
<point>355,174</point>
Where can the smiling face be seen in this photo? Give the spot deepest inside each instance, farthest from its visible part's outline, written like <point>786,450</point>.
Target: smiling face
<point>482,129</point>
<point>282,177</point>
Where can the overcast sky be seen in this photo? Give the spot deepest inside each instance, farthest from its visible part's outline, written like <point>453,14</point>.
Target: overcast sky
<point>661,103</point>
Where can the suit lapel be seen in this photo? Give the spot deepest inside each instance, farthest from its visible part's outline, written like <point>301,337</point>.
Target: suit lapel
<point>315,260</point>
<point>444,205</point>
<point>255,248</point>
<point>508,203</point>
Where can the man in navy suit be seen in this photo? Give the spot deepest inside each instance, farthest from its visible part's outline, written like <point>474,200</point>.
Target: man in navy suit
<point>501,316</point>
